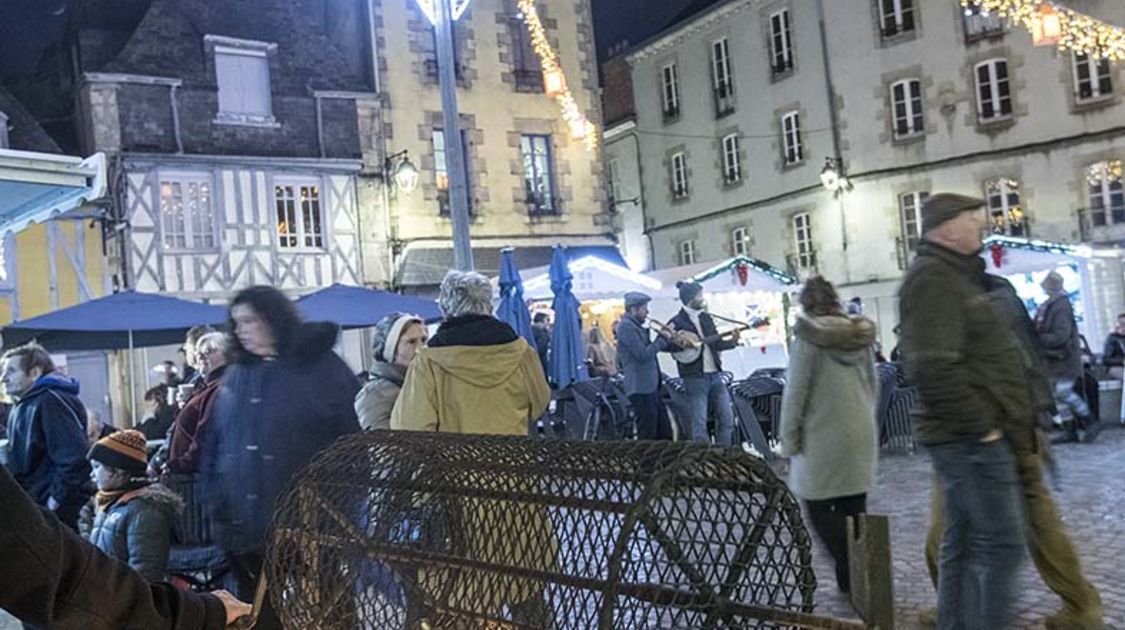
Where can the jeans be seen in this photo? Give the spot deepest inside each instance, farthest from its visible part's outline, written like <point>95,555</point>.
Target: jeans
<point>709,391</point>
<point>984,539</point>
<point>829,519</point>
<point>1068,402</point>
<point>651,416</point>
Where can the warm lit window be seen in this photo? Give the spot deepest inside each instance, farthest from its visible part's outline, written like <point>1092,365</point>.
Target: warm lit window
<point>994,96</point>
<point>187,214</point>
<point>300,222</point>
<point>441,171</point>
<point>1005,212</point>
<point>791,138</point>
<point>910,207</point>
<point>1107,198</point>
<point>906,104</point>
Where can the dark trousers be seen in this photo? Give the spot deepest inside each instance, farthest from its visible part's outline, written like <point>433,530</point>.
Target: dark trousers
<point>651,415</point>
<point>830,521</point>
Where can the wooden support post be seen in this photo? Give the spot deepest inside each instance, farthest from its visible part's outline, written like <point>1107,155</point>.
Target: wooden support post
<point>872,575</point>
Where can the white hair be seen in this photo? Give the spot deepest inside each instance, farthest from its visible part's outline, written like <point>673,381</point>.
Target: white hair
<point>217,339</point>
<point>465,293</point>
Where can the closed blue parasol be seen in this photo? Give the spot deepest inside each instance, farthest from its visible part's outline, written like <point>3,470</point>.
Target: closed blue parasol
<point>567,360</point>
<point>513,308</point>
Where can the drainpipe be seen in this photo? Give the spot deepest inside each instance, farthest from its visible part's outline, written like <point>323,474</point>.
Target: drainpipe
<point>837,154</point>
<point>176,119</point>
<point>641,197</point>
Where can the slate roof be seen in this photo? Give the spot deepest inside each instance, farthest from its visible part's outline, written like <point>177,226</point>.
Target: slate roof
<point>24,132</point>
<point>169,42</point>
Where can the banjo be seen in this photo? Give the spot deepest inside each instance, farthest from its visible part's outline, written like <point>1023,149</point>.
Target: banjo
<point>692,345</point>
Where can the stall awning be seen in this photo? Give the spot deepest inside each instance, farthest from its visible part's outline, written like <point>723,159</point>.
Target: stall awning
<point>740,273</point>
<point>594,279</point>
<point>37,186</point>
<point>426,266</point>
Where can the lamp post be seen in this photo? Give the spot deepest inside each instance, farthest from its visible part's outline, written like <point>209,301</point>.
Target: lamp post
<point>442,14</point>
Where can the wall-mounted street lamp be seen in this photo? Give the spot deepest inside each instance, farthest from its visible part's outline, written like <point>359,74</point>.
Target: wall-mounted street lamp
<point>403,174</point>
<point>833,177</point>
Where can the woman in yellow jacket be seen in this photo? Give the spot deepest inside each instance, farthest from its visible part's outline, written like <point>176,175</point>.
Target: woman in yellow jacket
<point>477,376</point>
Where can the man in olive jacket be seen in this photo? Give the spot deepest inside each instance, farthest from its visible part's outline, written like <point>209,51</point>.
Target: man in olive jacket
<point>971,376</point>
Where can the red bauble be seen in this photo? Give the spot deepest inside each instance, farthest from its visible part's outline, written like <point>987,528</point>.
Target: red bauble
<point>743,273</point>
<point>997,252</point>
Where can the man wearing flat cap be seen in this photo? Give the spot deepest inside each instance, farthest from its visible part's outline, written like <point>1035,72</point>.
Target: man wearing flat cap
<point>636,352</point>
<point>971,377</point>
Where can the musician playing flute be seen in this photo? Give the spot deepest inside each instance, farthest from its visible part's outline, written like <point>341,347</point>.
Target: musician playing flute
<point>703,382</point>
<point>636,354</point>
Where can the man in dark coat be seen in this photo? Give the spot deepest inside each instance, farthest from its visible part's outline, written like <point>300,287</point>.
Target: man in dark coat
<point>636,353</point>
<point>47,433</point>
<point>1062,354</point>
<point>1113,351</point>
<point>706,390</point>
<point>541,332</point>
<point>51,577</point>
<point>971,376</point>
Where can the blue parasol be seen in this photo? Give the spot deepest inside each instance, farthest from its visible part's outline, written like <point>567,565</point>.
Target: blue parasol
<point>513,308</point>
<point>567,361</point>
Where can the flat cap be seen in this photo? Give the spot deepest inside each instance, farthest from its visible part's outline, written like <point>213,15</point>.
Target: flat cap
<point>636,298</point>
<point>942,207</point>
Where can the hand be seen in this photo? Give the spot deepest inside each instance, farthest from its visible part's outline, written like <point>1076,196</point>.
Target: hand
<point>234,607</point>
<point>736,335</point>
<point>52,504</point>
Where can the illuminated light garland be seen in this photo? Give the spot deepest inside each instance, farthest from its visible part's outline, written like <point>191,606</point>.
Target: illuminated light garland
<point>1051,24</point>
<point>554,80</point>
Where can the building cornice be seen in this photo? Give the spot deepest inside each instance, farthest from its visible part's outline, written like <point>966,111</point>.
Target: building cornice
<point>237,42</point>
<point>277,163</point>
<point>616,129</point>
<point>344,94</point>
<point>140,79</point>
<point>672,37</point>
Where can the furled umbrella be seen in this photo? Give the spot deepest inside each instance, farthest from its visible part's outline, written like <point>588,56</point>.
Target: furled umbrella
<point>513,308</point>
<point>567,361</point>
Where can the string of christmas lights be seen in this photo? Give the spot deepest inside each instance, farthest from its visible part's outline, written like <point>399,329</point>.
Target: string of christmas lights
<point>1051,24</point>
<point>554,81</point>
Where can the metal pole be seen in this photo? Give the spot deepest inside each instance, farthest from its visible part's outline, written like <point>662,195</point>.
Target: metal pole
<point>454,147</point>
<point>837,154</point>
<point>132,382</point>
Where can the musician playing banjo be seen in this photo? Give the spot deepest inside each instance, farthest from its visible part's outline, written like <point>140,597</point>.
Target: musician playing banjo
<point>702,377</point>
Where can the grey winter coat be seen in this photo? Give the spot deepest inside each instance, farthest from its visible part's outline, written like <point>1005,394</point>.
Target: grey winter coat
<point>137,529</point>
<point>1058,336</point>
<point>828,426</point>
<point>373,403</point>
<point>636,354</point>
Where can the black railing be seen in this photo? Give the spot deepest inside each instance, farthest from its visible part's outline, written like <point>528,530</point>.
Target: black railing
<point>538,206</point>
<point>781,67</point>
<point>528,80</point>
<point>431,65</point>
<point>671,112</point>
<point>724,99</point>
<point>1101,225</point>
<point>978,26</point>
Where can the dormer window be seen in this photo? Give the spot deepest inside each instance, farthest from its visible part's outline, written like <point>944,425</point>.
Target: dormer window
<point>242,73</point>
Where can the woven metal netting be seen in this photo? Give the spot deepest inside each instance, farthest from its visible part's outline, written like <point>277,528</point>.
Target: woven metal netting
<point>393,530</point>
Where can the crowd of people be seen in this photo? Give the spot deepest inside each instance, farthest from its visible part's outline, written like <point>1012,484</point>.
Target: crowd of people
<point>260,400</point>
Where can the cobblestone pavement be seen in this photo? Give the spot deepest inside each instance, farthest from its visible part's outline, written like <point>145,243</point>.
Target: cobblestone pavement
<point>1091,499</point>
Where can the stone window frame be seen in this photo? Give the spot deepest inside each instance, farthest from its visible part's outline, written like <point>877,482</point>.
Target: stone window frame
<point>506,20</point>
<point>896,231</point>
<point>474,137</point>
<point>994,84</point>
<point>464,44</point>
<point>1079,104</point>
<point>917,197</point>
<point>671,104</point>
<point>803,263</point>
<point>798,142</point>
<point>885,39</point>
<point>914,106</point>
<point>215,45</point>
<point>1087,191</point>
<point>686,249</point>
<point>1005,207</point>
<point>678,170</point>
<point>967,13</point>
<point>789,49</point>
<point>739,156</point>
<point>736,239</point>
<point>560,167</point>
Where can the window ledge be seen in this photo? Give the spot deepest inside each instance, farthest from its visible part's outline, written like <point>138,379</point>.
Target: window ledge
<point>556,217</point>
<point>246,120</point>
<point>908,138</point>
<point>320,251</point>
<point>681,198</point>
<point>788,166</point>
<point>899,37</point>
<point>732,183</point>
<point>183,251</point>
<point>996,122</point>
<point>1094,102</point>
<point>776,77</point>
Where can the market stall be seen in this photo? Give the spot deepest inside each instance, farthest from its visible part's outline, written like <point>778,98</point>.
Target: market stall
<point>741,289</point>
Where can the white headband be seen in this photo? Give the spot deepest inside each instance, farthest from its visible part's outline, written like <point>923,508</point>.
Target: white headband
<point>391,344</point>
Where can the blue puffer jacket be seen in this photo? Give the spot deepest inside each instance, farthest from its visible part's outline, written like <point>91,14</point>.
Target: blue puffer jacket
<point>137,529</point>
<point>270,418</point>
<point>47,442</point>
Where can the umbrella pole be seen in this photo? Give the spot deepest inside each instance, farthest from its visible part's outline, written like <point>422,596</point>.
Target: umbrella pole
<point>132,381</point>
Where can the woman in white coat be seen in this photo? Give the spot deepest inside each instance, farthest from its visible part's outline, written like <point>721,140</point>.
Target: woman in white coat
<point>828,426</point>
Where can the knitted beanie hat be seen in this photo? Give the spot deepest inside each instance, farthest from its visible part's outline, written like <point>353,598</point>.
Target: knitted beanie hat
<point>384,339</point>
<point>688,290</point>
<point>122,449</point>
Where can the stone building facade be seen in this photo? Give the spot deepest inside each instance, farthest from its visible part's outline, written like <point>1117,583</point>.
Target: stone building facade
<point>735,123</point>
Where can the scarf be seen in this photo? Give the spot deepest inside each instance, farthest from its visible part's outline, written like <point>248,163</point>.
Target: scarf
<point>107,498</point>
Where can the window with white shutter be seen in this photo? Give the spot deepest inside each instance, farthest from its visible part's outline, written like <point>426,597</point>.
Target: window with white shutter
<point>679,176</point>
<point>781,45</point>
<point>906,106</point>
<point>994,95</point>
<point>791,138</point>
<point>243,78</point>
<point>732,163</point>
<point>1091,78</point>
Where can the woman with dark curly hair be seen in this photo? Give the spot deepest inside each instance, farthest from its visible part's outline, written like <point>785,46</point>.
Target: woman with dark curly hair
<point>828,416</point>
<point>285,396</point>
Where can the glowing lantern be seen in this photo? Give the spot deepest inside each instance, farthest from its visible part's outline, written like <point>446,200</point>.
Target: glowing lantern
<point>578,128</point>
<point>1046,27</point>
<point>554,83</point>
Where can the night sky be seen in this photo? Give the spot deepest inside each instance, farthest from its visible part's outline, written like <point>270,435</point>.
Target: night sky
<point>632,20</point>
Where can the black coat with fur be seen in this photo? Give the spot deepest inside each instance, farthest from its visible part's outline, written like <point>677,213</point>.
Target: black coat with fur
<point>271,417</point>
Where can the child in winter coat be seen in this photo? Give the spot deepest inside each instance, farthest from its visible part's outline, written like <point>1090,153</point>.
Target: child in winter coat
<point>135,515</point>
